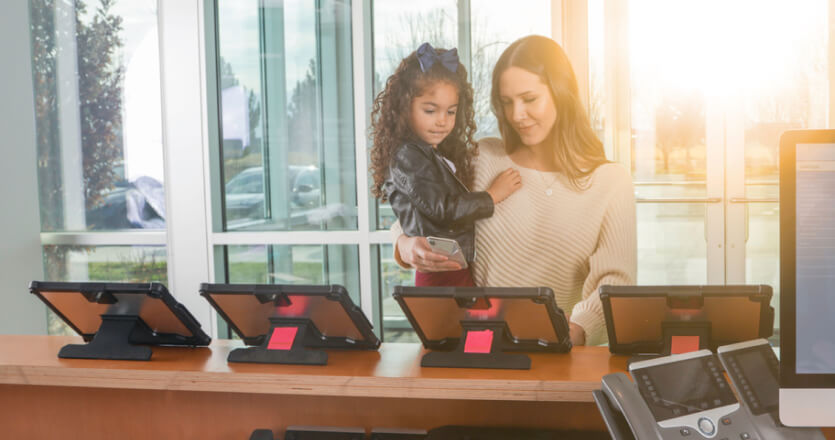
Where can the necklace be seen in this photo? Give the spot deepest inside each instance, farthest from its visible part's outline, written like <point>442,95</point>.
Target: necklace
<point>548,190</point>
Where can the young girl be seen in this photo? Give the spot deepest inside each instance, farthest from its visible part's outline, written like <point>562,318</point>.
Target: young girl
<point>423,152</point>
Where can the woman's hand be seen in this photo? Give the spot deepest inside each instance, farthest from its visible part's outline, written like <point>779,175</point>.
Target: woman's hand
<point>416,252</point>
<point>577,334</point>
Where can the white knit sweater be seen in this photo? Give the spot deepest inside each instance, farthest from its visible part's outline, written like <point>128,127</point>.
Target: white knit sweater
<point>571,241</point>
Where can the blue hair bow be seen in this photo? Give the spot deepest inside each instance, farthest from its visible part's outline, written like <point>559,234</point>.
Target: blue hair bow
<point>427,57</point>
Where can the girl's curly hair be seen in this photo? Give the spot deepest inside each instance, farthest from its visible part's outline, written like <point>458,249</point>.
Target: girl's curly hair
<point>390,119</point>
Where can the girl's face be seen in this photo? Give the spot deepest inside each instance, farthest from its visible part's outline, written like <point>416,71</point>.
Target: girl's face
<point>527,105</point>
<point>432,115</point>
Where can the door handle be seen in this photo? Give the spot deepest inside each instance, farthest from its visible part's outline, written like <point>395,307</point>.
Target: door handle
<point>754,200</point>
<point>678,200</point>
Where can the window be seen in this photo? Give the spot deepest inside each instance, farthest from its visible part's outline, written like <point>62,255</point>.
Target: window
<point>289,131</point>
<point>286,117</point>
<point>710,90</point>
<point>95,68</point>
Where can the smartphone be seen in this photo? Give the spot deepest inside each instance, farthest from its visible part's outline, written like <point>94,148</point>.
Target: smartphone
<point>448,247</point>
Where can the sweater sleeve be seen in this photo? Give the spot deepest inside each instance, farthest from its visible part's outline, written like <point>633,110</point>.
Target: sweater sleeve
<point>396,231</point>
<point>614,261</point>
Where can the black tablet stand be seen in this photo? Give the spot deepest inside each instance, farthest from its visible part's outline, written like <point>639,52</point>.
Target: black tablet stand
<point>111,341</point>
<point>295,353</point>
<point>671,331</point>
<point>482,357</point>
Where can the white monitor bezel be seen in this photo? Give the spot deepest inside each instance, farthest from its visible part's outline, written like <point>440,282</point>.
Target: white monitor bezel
<point>805,399</point>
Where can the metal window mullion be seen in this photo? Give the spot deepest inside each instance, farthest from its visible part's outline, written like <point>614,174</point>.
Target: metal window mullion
<point>830,111</point>
<point>715,220</point>
<point>362,55</point>
<point>74,211</point>
<point>465,34</point>
<point>126,238</point>
<point>617,105</point>
<point>736,222</point>
<point>575,42</point>
<point>183,145</point>
<point>213,183</point>
<point>557,21</point>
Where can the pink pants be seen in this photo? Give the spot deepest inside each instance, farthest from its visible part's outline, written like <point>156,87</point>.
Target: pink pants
<point>457,278</point>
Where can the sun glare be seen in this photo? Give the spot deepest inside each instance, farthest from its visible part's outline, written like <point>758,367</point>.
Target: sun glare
<point>721,47</point>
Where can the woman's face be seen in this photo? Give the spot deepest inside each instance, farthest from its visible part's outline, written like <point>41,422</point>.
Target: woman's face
<point>527,105</point>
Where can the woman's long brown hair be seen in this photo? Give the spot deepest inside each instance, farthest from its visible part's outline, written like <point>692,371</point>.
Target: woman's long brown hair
<point>390,119</point>
<point>577,149</point>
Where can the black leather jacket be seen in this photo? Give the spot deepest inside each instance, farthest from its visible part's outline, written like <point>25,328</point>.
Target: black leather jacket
<point>430,201</point>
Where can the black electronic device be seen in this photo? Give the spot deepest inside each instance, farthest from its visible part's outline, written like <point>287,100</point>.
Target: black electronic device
<point>290,324</point>
<point>119,320</point>
<point>397,434</point>
<point>456,432</point>
<point>474,327</point>
<point>665,320</point>
<point>323,433</point>
<point>754,370</point>
<point>673,397</point>
<point>262,434</point>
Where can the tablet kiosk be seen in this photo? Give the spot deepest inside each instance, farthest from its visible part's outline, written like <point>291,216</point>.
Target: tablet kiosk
<point>287,323</point>
<point>472,327</point>
<point>678,319</point>
<point>119,320</point>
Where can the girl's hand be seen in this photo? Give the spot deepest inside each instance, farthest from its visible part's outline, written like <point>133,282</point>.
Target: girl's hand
<point>416,252</point>
<point>505,184</point>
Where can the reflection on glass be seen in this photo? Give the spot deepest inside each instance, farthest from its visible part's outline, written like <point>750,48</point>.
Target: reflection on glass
<point>396,327</point>
<point>124,264</point>
<point>95,71</point>
<point>295,264</point>
<point>287,115</point>
<point>671,243</point>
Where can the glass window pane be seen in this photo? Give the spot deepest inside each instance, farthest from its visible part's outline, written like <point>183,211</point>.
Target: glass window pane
<point>396,327</point>
<point>96,77</point>
<point>286,116</point>
<point>668,98</point>
<point>128,264</point>
<point>295,264</point>
<point>671,243</point>
<point>494,25</point>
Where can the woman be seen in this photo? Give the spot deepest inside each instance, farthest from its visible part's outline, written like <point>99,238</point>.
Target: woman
<point>571,226</point>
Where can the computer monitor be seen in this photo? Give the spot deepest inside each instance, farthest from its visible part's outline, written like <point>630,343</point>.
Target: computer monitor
<point>807,278</point>
<point>119,320</point>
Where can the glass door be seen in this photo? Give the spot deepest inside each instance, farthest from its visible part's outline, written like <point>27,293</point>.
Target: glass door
<point>693,97</point>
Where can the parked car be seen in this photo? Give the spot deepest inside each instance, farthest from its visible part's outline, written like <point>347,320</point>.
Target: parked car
<point>139,204</point>
<point>245,191</point>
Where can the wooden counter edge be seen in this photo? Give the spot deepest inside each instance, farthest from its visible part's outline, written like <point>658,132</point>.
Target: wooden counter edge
<point>318,385</point>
